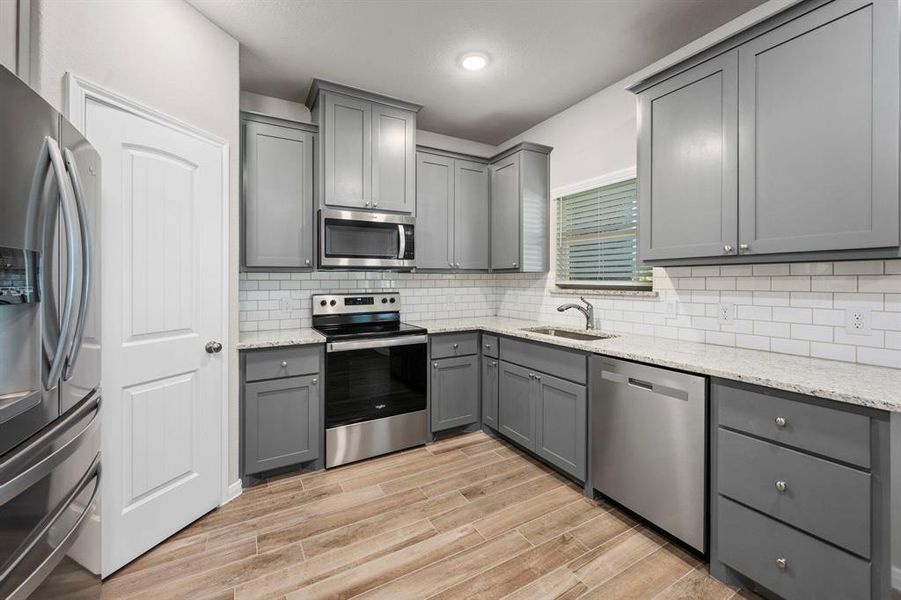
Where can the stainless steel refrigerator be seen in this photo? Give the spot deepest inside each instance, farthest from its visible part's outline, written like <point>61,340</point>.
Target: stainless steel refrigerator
<point>49,352</point>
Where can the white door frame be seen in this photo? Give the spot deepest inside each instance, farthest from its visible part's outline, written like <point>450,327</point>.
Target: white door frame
<point>77,93</point>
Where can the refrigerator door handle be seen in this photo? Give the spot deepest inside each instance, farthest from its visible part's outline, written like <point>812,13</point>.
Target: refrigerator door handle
<point>39,574</point>
<point>87,266</point>
<point>51,376</point>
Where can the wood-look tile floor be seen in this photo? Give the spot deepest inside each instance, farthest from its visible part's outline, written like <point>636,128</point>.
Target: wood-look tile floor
<point>466,517</point>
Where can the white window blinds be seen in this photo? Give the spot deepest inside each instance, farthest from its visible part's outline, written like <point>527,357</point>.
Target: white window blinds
<point>597,239</point>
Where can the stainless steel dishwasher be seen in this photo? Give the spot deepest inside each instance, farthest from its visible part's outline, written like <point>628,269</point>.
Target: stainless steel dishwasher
<point>648,444</point>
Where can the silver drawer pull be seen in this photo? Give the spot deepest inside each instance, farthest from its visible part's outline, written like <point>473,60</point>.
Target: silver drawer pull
<point>781,422</point>
<point>781,486</point>
<point>781,564</point>
<point>284,363</point>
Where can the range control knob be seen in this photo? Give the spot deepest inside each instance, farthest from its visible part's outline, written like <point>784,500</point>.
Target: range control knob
<point>322,303</point>
<point>332,303</point>
<point>384,300</point>
<point>393,300</point>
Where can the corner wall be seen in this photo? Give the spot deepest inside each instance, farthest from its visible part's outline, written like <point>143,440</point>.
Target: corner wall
<point>165,54</point>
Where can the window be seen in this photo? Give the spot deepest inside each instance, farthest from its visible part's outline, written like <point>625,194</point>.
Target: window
<point>597,239</point>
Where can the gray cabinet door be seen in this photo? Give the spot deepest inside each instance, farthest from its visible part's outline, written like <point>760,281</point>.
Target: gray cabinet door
<point>515,415</point>
<point>347,151</point>
<point>505,213</point>
<point>471,189</point>
<point>490,368</point>
<point>561,419</point>
<point>818,131</point>
<point>455,392</point>
<point>278,196</point>
<point>281,423</point>
<point>393,159</point>
<point>435,211</point>
<point>688,163</point>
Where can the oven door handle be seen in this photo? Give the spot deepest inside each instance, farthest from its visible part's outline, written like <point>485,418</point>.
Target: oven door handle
<point>402,243</point>
<point>386,343</point>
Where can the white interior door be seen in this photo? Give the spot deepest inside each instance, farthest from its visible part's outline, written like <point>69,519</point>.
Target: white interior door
<point>162,295</point>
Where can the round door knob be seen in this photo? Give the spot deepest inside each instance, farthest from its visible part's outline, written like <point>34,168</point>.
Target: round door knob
<point>213,347</point>
<point>780,485</point>
<point>284,364</point>
<point>781,422</point>
<point>781,564</point>
<point>727,249</point>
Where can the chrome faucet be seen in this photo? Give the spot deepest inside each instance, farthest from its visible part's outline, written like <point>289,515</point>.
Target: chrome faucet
<point>587,310</point>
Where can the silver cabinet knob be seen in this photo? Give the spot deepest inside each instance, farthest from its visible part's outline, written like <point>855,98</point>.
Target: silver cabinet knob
<point>494,363</point>
<point>213,347</point>
<point>375,205</point>
<point>781,422</point>
<point>284,364</point>
<point>538,377</point>
<point>743,247</point>
<point>727,249</point>
<point>514,265</point>
<point>314,382</point>
<point>435,365</point>
<point>781,486</point>
<point>456,346</point>
<point>781,564</point>
<point>366,203</point>
<point>487,346</point>
<point>307,261</point>
<point>531,375</point>
<point>457,265</point>
<point>450,264</point>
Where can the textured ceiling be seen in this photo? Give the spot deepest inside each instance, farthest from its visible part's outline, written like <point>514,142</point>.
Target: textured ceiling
<point>545,55</point>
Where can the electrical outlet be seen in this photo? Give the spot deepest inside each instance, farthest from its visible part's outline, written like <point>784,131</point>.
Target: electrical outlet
<point>725,313</point>
<point>672,308</point>
<point>857,321</point>
<point>284,304</point>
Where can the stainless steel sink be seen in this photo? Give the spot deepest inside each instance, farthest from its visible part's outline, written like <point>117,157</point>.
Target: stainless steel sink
<point>570,334</point>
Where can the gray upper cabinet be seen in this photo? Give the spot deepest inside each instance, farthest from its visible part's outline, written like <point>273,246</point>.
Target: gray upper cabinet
<point>367,148</point>
<point>435,211</point>
<point>471,189</point>
<point>452,199</point>
<point>278,196</point>
<point>818,131</point>
<point>281,422</point>
<point>347,151</point>
<point>455,392</point>
<point>520,205</point>
<point>688,183</point>
<point>780,143</point>
<point>393,159</point>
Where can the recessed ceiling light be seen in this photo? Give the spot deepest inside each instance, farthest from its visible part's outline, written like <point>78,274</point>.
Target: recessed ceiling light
<point>473,61</point>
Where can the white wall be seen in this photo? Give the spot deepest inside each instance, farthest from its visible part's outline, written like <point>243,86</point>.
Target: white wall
<point>164,54</point>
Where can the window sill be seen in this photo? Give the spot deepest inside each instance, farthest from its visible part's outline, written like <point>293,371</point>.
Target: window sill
<point>573,291</point>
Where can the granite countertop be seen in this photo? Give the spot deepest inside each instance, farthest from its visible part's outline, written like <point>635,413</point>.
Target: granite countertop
<point>863,385</point>
<point>248,340</point>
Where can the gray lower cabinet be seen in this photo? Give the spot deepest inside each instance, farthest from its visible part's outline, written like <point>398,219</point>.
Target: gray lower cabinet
<point>490,371</point>
<point>781,143</point>
<point>790,515</point>
<point>515,410</point>
<point>281,422</point>
<point>689,200</point>
<point>454,392</point>
<point>278,225</point>
<point>452,212</point>
<point>520,204</point>
<point>561,418</point>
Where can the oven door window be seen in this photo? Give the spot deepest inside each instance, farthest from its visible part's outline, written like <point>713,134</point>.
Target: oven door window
<point>359,239</point>
<point>362,385</point>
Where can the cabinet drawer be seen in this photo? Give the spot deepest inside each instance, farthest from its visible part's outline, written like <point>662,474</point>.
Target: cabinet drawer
<point>489,345</point>
<point>455,344</point>
<point>751,543</point>
<point>281,362</point>
<point>763,412</point>
<point>553,361</point>
<point>829,500</point>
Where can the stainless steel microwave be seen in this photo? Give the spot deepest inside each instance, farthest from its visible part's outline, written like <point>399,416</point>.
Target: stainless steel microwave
<point>367,240</point>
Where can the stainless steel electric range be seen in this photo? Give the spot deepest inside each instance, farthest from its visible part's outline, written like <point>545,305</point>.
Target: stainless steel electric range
<point>375,376</point>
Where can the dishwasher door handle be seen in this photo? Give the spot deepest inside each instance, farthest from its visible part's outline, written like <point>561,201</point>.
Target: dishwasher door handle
<point>657,388</point>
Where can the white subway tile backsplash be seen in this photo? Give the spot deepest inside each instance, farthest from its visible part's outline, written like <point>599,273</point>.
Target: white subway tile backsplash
<point>859,267</point>
<point>771,269</point>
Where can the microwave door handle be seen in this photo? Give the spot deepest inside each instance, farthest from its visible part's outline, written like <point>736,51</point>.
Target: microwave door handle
<point>402,246</point>
<point>86,259</point>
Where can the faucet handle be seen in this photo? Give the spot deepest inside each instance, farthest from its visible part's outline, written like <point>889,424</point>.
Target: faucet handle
<point>582,298</point>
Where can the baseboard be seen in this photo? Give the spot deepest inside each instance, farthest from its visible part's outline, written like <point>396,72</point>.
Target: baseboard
<point>234,490</point>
